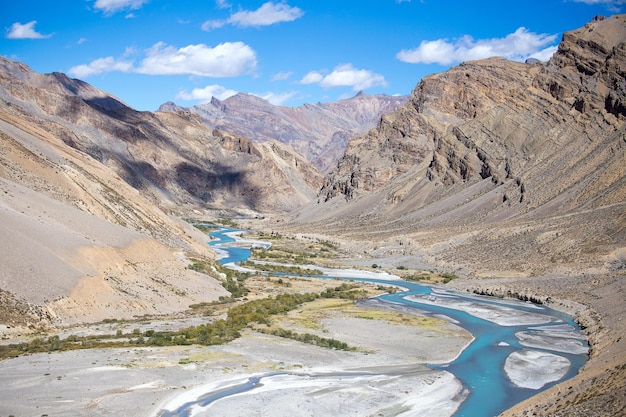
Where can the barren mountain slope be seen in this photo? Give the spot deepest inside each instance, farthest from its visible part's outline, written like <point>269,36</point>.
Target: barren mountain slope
<point>79,244</point>
<point>171,158</point>
<point>513,176</point>
<point>85,180</point>
<point>319,132</point>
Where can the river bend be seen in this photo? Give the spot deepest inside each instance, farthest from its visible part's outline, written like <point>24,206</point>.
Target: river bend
<point>519,348</point>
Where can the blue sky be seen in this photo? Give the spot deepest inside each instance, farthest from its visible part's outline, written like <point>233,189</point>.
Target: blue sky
<point>147,52</point>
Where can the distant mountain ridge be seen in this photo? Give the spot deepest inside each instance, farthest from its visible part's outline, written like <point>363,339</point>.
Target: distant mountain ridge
<point>319,132</point>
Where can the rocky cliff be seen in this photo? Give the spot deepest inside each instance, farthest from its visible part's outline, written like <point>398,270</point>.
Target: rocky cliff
<point>519,126</point>
<point>319,132</point>
<point>498,142</point>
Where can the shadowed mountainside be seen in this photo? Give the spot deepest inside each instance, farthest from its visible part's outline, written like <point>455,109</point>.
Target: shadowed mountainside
<point>172,159</point>
<point>87,188</point>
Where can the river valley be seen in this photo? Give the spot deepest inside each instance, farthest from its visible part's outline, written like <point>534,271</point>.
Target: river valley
<point>421,350</point>
<point>518,349</point>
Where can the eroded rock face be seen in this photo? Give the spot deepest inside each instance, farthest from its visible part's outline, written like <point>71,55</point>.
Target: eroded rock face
<point>495,166</point>
<point>536,133</point>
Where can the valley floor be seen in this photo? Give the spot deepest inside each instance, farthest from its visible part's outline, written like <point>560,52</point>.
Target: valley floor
<point>150,381</point>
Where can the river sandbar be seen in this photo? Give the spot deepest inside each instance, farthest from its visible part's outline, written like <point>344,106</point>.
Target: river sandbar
<point>533,369</point>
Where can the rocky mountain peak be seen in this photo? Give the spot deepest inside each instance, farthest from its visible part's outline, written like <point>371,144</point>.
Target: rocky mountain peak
<point>507,130</point>
<point>587,70</point>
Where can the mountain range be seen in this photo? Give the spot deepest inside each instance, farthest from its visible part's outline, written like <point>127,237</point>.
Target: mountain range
<point>320,132</point>
<point>510,175</point>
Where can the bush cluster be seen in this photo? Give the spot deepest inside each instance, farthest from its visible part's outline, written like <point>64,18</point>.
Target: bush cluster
<point>214,333</point>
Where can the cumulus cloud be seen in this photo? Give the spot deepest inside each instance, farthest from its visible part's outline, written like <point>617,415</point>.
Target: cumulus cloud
<point>99,66</point>
<point>25,31</point>
<point>113,6</point>
<point>206,93</point>
<point>277,99</point>
<point>345,75</point>
<point>517,46</point>
<point>312,77</point>
<point>228,59</point>
<point>268,14</point>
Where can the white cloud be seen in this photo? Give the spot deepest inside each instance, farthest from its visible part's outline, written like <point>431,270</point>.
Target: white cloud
<point>113,6</point>
<point>99,66</point>
<point>613,5</point>
<point>268,14</point>
<point>545,54</point>
<point>516,46</point>
<point>25,31</point>
<point>345,75</point>
<point>439,51</point>
<point>227,59</point>
<point>206,93</point>
<point>282,76</point>
<point>276,99</point>
<point>224,60</point>
<point>222,4</point>
<point>312,77</point>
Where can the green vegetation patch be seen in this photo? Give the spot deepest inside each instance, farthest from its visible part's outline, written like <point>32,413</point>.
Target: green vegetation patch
<point>292,251</point>
<point>233,281</point>
<point>430,277</point>
<point>310,339</point>
<point>217,332</point>
<point>282,269</point>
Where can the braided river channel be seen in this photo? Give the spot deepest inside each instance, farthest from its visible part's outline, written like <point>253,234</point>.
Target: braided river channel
<point>519,348</point>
